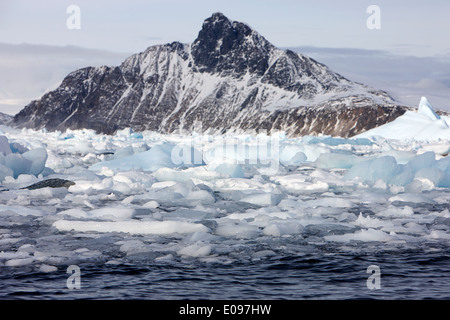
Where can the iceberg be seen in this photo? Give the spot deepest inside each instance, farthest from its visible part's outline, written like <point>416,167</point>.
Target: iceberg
<point>15,159</point>
<point>336,160</point>
<point>423,125</point>
<point>158,198</point>
<point>424,167</point>
<point>151,160</point>
<point>5,172</point>
<point>37,158</point>
<point>382,168</point>
<point>5,149</point>
<point>131,226</point>
<point>163,155</point>
<point>230,169</point>
<point>425,108</point>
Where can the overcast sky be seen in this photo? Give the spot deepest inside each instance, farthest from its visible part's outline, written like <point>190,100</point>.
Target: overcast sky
<point>415,30</point>
<point>409,27</point>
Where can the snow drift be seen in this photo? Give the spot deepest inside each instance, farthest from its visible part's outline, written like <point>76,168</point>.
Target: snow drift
<point>424,124</point>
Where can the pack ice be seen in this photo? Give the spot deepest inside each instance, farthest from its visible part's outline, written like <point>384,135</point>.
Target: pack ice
<point>15,159</point>
<point>423,125</point>
<point>222,198</point>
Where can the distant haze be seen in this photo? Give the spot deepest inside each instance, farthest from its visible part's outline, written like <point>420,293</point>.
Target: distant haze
<point>28,71</point>
<point>405,78</point>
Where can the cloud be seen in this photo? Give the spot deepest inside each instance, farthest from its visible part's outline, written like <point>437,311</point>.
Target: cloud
<point>406,78</point>
<point>27,71</point>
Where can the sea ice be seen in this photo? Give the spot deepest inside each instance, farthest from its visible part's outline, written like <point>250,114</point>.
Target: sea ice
<point>131,226</point>
<point>300,183</point>
<point>123,152</point>
<point>199,173</point>
<point>45,268</point>
<point>439,235</point>
<point>334,202</point>
<point>195,250</point>
<point>131,247</point>
<point>427,109</point>
<point>234,229</point>
<point>37,157</point>
<point>282,228</point>
<point>20,160</point>
<point>336,160</point>
<point>395,212</point>
<point>423,125</point>
<point>263,199</point>
<point>372,170</point>
<point>159,204</point>
<point>5,172</point>
<point>230,169</point>
<point>159,156</point>
<point>19,262</point>
<point>365,235</point>
<point>291,154</point>
<point>18,164</point>
<point>5,149</point>
<point>422,168</point>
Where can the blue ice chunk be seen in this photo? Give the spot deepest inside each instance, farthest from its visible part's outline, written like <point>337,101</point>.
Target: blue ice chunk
<point>5,148</point>
<point>18,164</point>
<point>231,169</point>
<point>336,160</point>
<point>382,168</point>
<point>332,141</point>
<point>18,148</point>
<point>157,157</point>
<point>425,160</point>
<point>38,158</point>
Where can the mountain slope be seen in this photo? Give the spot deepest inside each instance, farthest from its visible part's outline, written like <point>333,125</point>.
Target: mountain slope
<point>230,77</point>
<point>5,118</point>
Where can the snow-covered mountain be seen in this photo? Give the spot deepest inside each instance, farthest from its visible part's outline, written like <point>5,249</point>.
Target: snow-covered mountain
<point>229,78</point>
<point>5,118</point>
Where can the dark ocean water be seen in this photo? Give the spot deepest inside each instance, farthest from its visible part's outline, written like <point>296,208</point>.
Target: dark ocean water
<point>411,274</point>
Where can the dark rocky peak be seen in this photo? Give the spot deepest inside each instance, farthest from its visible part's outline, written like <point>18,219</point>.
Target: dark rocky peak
<point>218,21</point>
<point>230,48</point>
<point>229,78</point>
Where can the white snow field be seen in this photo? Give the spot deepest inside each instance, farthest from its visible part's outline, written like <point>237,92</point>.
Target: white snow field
<point>425,125</point>
<point>172,197</point>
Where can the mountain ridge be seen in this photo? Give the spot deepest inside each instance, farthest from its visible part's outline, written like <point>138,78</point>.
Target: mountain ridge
<point>229,78</point>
